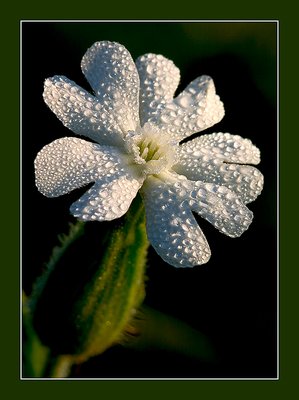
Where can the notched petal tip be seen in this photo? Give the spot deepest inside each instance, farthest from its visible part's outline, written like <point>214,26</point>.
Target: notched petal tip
<point>106,201</point>
<point>112,74</point>
<point>56,80</point>
<point>202,258</point>
<point>70,163</point>
<point>221,207</point>
<point>91,52</point>
<point>157,66</point>
<point>171,227</point>
<point>40,180</point>
<point>243,221</point>
<point>214,105</point>
<point>197,108</point>
<point>256,153</point>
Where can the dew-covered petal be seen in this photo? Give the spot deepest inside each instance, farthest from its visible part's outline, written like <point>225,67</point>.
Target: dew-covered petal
<point>221,207</point>
<point>70,163</point>
<point>223,146</point>
<point>171,227</point>
<point>107,199</point>
<point>246,181</point>
<point>159,79</point>
<point>112,74</point>
<point>197,108</point>
<point>208,158</point>
<point>81,112</point>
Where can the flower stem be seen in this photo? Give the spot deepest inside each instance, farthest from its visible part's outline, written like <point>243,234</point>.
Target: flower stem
<point>57,366</point>
<point>94,283</point>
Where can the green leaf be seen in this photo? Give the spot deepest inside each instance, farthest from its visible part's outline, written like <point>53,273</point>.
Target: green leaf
<point>34,353</point>
<point>92,286</point>
<point>155,330</point>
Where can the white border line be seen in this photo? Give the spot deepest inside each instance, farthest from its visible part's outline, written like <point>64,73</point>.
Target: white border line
<point>153,20</point>
<point>20,211</point>
<point>277,195</point>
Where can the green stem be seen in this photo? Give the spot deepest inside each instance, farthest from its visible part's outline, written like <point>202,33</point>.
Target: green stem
<point>94,282</point>
<point>57,366</point>
<point>111,298</point>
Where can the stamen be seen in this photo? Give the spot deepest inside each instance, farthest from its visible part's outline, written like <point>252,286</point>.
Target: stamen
<point>144,154</point>
<point>156,154</point>
<point>151,151</point>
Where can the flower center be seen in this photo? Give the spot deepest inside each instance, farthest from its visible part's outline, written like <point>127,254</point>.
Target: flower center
<point>152,151</point>
<point>149,150</point>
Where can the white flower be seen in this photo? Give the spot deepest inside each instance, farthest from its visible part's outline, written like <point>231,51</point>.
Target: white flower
<point>138,126</point>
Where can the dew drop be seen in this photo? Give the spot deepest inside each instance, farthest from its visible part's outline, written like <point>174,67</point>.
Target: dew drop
<point>184,101</point>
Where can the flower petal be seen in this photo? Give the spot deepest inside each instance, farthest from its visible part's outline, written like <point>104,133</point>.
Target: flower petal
<point>70,163</point>
<point>223,146</point>
<point>108,199</point>
<point>221,207</point>
<point>208,158</point>
<point>111,72</point>
<point>244,180</point>
<point>81,112</point>
<point>159,79</point>
<point>197,108</point>
<point>171,226</point>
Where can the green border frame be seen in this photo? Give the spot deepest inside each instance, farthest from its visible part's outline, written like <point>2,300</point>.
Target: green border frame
<point>10,266</point>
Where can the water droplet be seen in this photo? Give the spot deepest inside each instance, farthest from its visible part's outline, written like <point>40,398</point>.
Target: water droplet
<point>184,101</point>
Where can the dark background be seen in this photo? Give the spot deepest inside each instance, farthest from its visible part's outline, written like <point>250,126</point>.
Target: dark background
<point>232,299</point>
